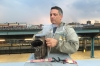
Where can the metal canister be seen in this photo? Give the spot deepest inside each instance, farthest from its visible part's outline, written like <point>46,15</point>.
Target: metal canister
<point>39,44</point>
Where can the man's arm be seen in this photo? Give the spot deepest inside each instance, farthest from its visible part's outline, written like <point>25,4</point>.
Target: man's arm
<point>71,43</point>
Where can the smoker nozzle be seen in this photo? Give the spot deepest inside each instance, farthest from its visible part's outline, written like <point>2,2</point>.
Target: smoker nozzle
<point>36,43</point>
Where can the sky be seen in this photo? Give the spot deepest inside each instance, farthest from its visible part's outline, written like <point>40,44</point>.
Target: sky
<point>38,11</point>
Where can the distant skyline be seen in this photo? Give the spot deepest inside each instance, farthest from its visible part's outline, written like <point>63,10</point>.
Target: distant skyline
<point>38,11</point>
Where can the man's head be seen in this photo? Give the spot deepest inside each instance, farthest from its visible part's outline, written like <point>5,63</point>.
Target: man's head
<point>56,15</point>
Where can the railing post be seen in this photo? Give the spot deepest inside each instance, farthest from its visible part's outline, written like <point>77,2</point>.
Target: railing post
<point>92,47</point>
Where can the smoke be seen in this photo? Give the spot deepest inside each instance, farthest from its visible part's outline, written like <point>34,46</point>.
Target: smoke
<point>46,29</point>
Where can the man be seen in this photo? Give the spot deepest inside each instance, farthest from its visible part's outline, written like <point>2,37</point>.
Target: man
<point>62,39</point>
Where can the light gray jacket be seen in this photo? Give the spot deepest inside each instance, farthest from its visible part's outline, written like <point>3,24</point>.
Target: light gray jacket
<point>68,41</point>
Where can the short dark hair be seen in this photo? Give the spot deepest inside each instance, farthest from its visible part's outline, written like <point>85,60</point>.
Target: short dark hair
<point>58,8</point>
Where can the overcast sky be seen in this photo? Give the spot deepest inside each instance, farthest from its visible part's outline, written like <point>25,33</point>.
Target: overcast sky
<point>38,11</point>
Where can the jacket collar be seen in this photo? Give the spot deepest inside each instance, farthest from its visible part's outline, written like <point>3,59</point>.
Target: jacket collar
<point>61,24</point>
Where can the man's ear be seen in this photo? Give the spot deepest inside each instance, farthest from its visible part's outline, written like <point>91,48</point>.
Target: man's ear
<point>61,16</point>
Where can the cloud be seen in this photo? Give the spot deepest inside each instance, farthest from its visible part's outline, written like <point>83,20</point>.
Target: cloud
<point>37,11</point>
<point>87,9</point>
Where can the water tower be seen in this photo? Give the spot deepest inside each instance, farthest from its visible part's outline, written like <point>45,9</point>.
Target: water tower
<point>88,22</point>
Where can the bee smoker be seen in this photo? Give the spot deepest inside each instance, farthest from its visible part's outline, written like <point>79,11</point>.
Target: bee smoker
<point>39,44</point>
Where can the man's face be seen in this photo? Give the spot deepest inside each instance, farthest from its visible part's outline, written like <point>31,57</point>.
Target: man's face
<point>55,17</point>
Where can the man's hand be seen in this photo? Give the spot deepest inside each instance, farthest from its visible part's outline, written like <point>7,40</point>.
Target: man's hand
<point>51,42</point>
